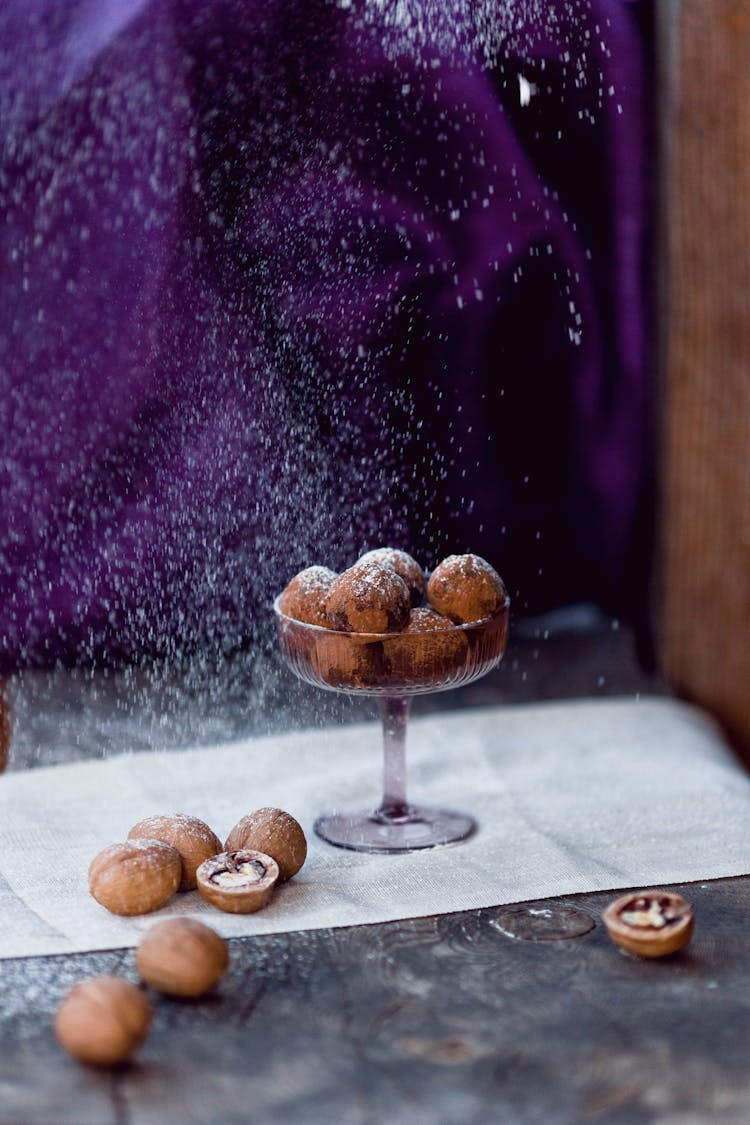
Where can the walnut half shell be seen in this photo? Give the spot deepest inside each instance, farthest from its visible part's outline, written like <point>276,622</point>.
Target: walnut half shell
<point>239,882</point>
<point>650,923</point>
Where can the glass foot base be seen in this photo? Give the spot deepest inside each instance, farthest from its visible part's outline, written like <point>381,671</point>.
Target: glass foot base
<point>417,827</point>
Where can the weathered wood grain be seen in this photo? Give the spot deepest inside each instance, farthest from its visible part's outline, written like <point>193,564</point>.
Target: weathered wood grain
<point>443,1019</point>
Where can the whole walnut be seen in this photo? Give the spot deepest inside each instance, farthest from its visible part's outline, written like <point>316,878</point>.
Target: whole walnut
<point>194,840</point>
<point>103,1021</point>
<point>182,957</point>
<point>274,832</point>
<point>135,877</point>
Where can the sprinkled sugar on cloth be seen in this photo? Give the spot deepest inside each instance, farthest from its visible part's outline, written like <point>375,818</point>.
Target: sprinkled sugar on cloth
<point>569,797</point>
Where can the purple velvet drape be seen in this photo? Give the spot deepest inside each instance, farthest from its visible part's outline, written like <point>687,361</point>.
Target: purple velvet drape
<point>281,282</point>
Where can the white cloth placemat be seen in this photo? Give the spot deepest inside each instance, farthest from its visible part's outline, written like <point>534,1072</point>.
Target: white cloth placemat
<point>569,797</point>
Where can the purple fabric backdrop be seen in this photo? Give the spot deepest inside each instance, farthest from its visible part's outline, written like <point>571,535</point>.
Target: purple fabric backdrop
<point>281,282</point>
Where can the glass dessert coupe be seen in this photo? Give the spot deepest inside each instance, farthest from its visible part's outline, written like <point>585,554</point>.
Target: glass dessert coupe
<point>393,667</point>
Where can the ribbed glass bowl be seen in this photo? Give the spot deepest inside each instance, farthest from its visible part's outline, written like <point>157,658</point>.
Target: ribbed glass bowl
<point>393,667</point>
<point>392,664</point>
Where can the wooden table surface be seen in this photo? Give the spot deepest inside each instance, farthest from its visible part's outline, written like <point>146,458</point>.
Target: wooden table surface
<point>496,1015</point>
<point>512,1014</point>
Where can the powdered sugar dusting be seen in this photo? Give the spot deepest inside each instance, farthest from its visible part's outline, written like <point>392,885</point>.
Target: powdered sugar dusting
<point>469,565</point>
<point>169,825</point>
<point>314,579</point>
<point>424,619</point>
<point>376,577</point>
<point>405,566</point>
<point>141,853</point>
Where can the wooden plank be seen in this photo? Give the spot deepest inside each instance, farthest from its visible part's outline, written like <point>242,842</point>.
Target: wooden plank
<point>448,1019</point>
<point>704,626</point>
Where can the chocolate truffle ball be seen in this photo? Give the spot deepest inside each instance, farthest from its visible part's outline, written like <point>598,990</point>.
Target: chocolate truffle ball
<point>368,598</point>
<point>425,619</point>
<point>432,648</point>
<point>405,566</point>
<point>344,661</point>
<point>305,597</point>
<point>466,588</point>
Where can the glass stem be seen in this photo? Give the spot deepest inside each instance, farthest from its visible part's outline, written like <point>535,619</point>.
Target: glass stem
<point>395,715</point>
